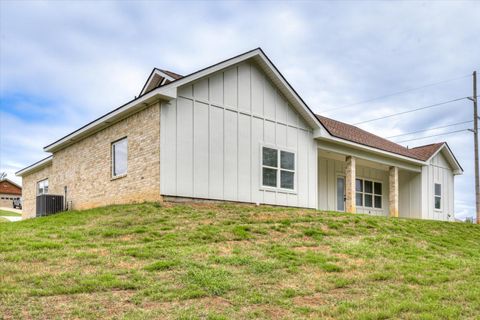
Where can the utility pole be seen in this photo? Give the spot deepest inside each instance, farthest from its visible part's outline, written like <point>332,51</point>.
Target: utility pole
<point>475,137</point>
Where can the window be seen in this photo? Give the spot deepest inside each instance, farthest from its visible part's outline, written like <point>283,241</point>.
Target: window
<point>278,168</point>
<point>119,157</point>
<point>42,187</point>
<point>438,196</point>
<point>368,193</point>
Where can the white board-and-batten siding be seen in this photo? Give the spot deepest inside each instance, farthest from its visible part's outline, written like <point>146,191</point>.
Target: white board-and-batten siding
<point>438,171</point>
<point>410,194</point>
<point>212,134</point>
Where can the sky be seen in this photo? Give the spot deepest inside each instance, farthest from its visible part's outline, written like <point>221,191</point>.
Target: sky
<point>63,64</point>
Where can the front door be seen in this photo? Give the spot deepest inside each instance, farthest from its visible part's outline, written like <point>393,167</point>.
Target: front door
<point>341,193</point>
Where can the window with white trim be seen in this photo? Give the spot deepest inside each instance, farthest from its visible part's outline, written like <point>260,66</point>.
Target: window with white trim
<point>278,168</point>
<point>368,193</point>
<point>119,157</point>
<point>438,196</point>
<point>42,187</point>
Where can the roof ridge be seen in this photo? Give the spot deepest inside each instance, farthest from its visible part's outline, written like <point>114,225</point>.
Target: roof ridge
<point>368,132</point>
<point>428,145</point>
<point>170,73</point>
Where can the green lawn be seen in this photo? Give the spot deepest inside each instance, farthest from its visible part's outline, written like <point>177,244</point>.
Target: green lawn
<point>6,213</point>
<point>152,261</point>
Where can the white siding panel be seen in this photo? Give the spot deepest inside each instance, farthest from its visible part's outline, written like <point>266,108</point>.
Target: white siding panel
<point>244,87</point>
<point>201,146</point>
<point>269,101</point>
<point>186,91</point>
<point>168,136</point>
<point>281,135</point>
<point>244,159</point>
<point>216,89</point>
<point>230,87</point>
<point>184,147</point>
<point>312,169</point>
<point>212,149</point>
<point>281,107</point>
<point>292,143</point>
<point>439,171</point>
<point>216,153</point>
<point>269,132</point>
<point>322,184</point>
<point>230,182</point>
<point>200,89</point>
<point>270,197</point>
<point>257,139</point>
<point>302,170</point>
<point>292,117</point>
<point>257,83</point>
<point>409,194</point>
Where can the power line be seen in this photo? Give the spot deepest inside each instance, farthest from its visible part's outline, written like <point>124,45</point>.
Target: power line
<point>395,93</point>
<point>435,135</point>
<point>424,130</point>
<point>411,110</point>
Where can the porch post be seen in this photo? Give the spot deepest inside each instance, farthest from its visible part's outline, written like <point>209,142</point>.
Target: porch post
<point>393,192</point>
<point>350,205</point>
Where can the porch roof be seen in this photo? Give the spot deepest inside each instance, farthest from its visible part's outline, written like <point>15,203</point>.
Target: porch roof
<point>354,134</point>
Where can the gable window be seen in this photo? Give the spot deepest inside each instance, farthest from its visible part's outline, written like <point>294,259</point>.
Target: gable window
<point>42,187</point>
<point>438,196</point>
<point>368,193</point>
<point>119,158</point>
<point>278,168</point>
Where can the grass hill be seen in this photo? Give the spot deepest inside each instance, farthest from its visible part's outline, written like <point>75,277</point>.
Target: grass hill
<point>236,262</point>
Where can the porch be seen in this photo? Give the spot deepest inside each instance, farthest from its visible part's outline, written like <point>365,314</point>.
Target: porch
<point>356,182</point>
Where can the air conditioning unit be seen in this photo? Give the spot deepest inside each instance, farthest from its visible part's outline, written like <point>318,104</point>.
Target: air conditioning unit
<point>48,204</point>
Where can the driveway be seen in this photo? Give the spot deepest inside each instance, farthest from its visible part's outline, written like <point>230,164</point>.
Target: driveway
<point>11,218</point>
<point>11,209</point>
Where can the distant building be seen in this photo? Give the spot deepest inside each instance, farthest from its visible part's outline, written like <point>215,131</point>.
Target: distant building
<point>9,191</point>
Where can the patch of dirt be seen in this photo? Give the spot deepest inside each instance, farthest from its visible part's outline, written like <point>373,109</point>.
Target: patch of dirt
<point>315,300</point>
<point>217,304</point>
<point>106,305</point>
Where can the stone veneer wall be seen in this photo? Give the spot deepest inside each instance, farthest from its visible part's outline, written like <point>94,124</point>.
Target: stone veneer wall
<point>85,167</point>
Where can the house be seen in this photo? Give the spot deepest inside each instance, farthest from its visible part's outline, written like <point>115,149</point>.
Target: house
<point>238,131</point>
<point>9,191</point>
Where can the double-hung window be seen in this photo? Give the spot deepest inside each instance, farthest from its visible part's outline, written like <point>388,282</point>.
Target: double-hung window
<point>368,194</point>
<point>119,157</point>
<point>278,168</point>
<point>438,196</point>
<point>42,187</point>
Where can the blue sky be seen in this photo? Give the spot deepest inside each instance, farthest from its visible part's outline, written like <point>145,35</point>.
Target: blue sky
<point>62,64</point>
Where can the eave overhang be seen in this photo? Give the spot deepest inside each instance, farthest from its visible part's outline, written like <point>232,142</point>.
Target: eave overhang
<point>35,167</point>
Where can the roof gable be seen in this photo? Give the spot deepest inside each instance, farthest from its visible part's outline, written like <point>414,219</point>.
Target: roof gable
<point>427,151</point>
<point>7,186</point>
<point>157,78</point>
<point>271,71</point>
<point>168,91</point>
<point>445,150</point>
